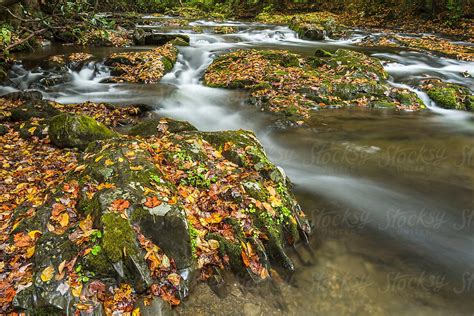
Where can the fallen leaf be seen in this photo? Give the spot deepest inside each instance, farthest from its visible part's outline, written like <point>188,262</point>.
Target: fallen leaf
<point>47,274</point>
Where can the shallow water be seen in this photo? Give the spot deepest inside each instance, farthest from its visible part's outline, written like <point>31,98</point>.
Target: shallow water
<point>390,195</point>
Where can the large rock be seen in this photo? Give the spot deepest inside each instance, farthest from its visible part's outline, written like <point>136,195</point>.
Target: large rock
<point>70,130</point>
<point>140,215</point>
<point>29,95</point>
<point>141,37</point>
<point>292,85</point>
<point>142,66</point>
<point>154,127</point>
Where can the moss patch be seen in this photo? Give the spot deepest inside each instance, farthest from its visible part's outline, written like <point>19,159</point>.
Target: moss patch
<point>449,96</point>
<point>119,237</point>
<point>68,130</point>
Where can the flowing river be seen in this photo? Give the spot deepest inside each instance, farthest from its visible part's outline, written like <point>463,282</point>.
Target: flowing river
<point>390,195</point>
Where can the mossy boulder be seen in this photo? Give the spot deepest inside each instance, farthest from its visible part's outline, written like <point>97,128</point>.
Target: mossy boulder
<point>314,26</point>
<point>33,109</point>
<point>291,85</point>
<point>179,41</point>
<point>142,66</point>
<point>148,212</point>
<point>72,130</point>
<point>449,95</point>
<point>154,127</point>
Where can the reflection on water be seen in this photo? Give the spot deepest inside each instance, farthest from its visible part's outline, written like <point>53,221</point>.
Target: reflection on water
<point>390,194</point>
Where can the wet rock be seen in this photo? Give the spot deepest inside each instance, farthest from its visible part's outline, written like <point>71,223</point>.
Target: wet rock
<point>141,37</point>
<point>53,81</point>
<point>3,129</point>
<point>69,130</point>
<point>48,295</point>
<point>449,95</point>
<point>291,85</point>
<point>313,26</point>
<point>164,224</point>
<point>179,42</point>
<point>31,95</point>
<point>157,307</point>
<point>148,212</point>
<point>160,126</point>
<point>33,128</point>
<point>33,109</point>
<point>312,33</point>
<point>144,66</point>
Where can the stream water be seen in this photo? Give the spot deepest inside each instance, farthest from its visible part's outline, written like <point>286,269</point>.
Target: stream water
<point>391,195</point>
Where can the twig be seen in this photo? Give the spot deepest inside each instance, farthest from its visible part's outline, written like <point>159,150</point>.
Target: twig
<point>26,39</point>
<point>13,15</point>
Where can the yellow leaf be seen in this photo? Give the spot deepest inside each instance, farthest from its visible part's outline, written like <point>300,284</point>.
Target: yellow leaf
<point>32,130</point>
<point>16,224</point>
<point>30,252</point>
<point>76,291</point>
<point>50,227</point>
<point>136,168</point>
<point>213,244</point>
<point>80,168</point>
<point>47,274</point>
<point>108,162</point>
<point>34,233</point>
<point>99,158</point>
<point>61,266</point>
<point>64,220</point>
<point>136,312</point>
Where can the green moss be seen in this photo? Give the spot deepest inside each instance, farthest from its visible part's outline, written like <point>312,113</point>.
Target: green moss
<point>119,237</point>
<point>445,97</point>
<point>256,190</point>
<point>138,214</point>
<point>167,63</point>
<point>88,206</point>
<point>193,235</point>
<point>99,264</point>
<point>231,249</point>
<point>71,130</point>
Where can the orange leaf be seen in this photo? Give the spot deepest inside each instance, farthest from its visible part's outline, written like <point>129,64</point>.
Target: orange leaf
<point>245,259</point>
<point>120,205</point>
<point>152,202</point>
